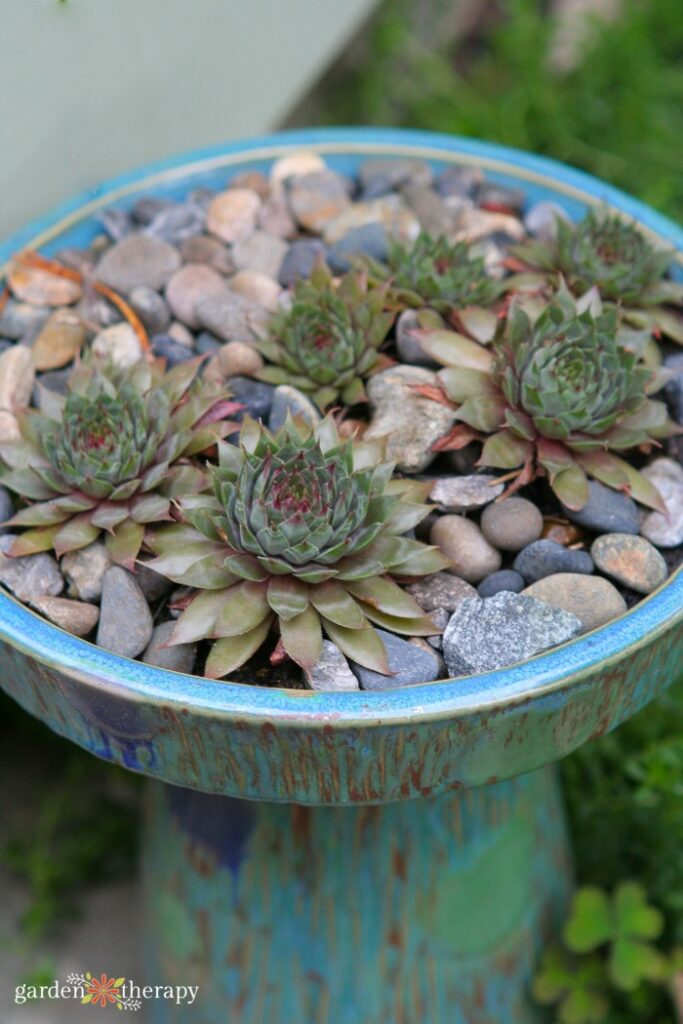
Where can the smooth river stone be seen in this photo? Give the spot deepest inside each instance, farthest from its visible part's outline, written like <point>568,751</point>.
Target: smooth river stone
<point>592,599</point>
<point>631,561</point>
<point>462,541</point>
<point>666,531</point>
<point>59,341</point>
<point>231,215</point>
<point>73,616</point>
<point>138,260</point>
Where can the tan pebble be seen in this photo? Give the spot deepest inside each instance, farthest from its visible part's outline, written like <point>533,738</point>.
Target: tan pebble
<point>632,561</point>
<point>213,373</point>
<point>74,616</point>
<point>461,540</point>
<point>237,359</point>
<point>293,165</point>
<point>119,343</point>
<point>17,377</point>
<point>476,224</point>
<point>203,249</point>
<point>511,524</point>
<point>254,180</point>
<point>594,600</point>
<point>59,342</point>
<point>352,428</point>
<point>190,285</point>
<point>275,218</point>
<point>180,333</point>
<point>40,288</point>
<point>9,428</point>
<point>232,215</point>
<point>389,211</point>
<point>259,287</point>
<point>561,533</point>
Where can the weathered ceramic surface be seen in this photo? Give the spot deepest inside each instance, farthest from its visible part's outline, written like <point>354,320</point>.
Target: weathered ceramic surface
<point>314,748</point>
<point>424,911</point>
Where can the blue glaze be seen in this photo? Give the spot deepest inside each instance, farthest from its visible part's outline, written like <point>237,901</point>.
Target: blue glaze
<point>224,834</point>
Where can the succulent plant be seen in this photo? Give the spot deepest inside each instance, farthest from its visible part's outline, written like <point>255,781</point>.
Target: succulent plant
<point>111,456</point>
<point>327,343</point>
<point>433,272</point>
<point>559,396</point>
<point>608,252</point>
<point>304,529</point>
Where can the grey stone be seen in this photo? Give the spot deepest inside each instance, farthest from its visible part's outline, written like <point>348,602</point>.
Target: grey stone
<point>332,671</point>
<point>545,557</point>
<point>177,223</point>
<point>465,493</point>
<point>593,599</point>
<point>606,511</point>
<point>21,320</point>
<point>54,380</point>
<point>231,316</point>
<point>497,582</point>
<point>410,422</point>
<point>408,342</point>
<point>207,344</point>
<point>29,576</point>
<point>368,240</point>
<point>255,396</point>
<point>409,663</point>
<point>152,584</point>
<point>6,508</point>
<point>512,524</point>
<point>261,252</point>
<point>174,352</point>
<point>317,198</point>
<point>495,194</point>
<point>461,541</point>
<point>126,624</point>
<point>177,658</point>
<point>300,259</point>
<point>461,182</point>
<point>666,531</point>
<point>390,211</point>
<point>673,391</point>
<point>441,590</point>
<point>287,399</point>
<point>75,617</point>
<point>541,219</point>
<point>379,176</point>
<point>631,561</point>
<point>484,635</point>
<point>116,222</point>
<point>433,213</point>
<point>84,571</point>
<point>151,308</point>
<point>138,260</point>
<point>146,209</point>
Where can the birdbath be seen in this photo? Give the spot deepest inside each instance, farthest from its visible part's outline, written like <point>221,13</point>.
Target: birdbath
<point>335,858</point>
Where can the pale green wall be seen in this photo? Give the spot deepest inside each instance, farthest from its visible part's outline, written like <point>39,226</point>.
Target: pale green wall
<point>91,88</point>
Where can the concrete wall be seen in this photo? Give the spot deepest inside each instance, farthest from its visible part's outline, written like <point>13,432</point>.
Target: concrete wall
<point>90,88</point>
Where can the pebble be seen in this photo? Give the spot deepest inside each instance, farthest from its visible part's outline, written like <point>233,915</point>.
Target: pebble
<point>512,524</point>
<point>257,287</point>
<point>673,391</point>
<point>562,533</point>
<point>206,344</point>
<point>119,343</point>
<point>434,215</point>
<point>41,288</point>
<point>5,343</point>
<point>138,260</point>
<point>504,579</point>
<point>631,561</point>
<point>382,175</point>
<point>462,182</point>
<point>300,259</point>
<point>666,531</point>
<point>255,396</point>
<point>606,511</point>
<point>275,217</point>
<point>408,342</point>
<point>332,672</point>
<point>368,240</point>
<point>287,399</point>
<point>255,180</point>
<point>237,359</point>
<point>411,422</point>
<point>177,658</point>
<point>545,557</point>
<point>476,224</point>
<point>492,193</point>
<point>73,616</point>
<point>9,427</point>
<point>174,352</point>
<point>126,624</point>
<point>189,286</point>
<point>461,540</point>
<point>231,316</point>
<point>409,663</point>
<point>232,215</point>
<point>179,332</point>
<point>203,249</point>
<point>484,635</point>
<point>541,219</point>
<point>440,590</point>
<point>20,320</point>
<point>295,165</point>
<point>317,198</point>
<point>465,493</point>
<point>59,341</point>
<point>116,222</point>
<point>29,576</point>
<point>389,211</point>
<point>146,209</point>
<point>177,223</point>
<point>55,380</point>
<point>593,599</point>
<point>17,377</point>
<point>84,571</point>
<point>151,308</point>
<point>6,508</point>
<point>261,253</point>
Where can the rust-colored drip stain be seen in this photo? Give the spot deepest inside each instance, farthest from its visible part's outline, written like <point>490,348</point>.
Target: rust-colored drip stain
<point>398,864</point>
<point>301,824</point>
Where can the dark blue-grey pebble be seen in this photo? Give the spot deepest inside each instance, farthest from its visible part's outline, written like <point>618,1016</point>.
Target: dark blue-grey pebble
<point>207,343</point>
<point>6,508</point>
<point>300,259</point>
<point>606,511</point>
<point>145,210</point>
<point>257,397</point>
<point>173,351</point>
<point>673,391</point>
<point>504,579</point>
<point>458,181</point>
<point>5,343</point>
<point>53,380</point>
<point>410,663</point>
<point>546,557</point>
<point>367,240</point>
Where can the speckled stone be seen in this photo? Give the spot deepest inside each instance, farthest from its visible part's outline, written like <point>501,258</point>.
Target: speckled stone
<point>497,582</point>
<point>29,576</point>
<point>433,213</point>
<point>138,260</point>
<point>632,561</point>
<point>384,174</point>
<point>410,422</point>
<point>440,590</point>
<point>606,511</point>
<point>545,557</point>
<point>261,253</point>
<point>178,658</point>
<point>84,571</point>
<point>119,343</point>
<point>275,217</point>
<point>465,493</point>
<point>231,317</point>
<point>332,672</point>
<point>189,286</point>
<point>287,399</point>
<point>75,617</point>
<point>666,531</point>
<point>593,599</point>
<point>231,215</point>
<point>409,663</point>
<point>484,635</point>
<point>462,541</point>
<point>511,524</point>
<point>126,624</point>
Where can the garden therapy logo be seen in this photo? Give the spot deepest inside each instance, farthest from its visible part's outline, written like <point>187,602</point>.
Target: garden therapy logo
<point>104,991</point>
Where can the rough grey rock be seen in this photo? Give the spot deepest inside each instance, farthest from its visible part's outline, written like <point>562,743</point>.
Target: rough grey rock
<point>178,658</point>
<point>29,576</point>
<point>465,493</point>
<point>484,635</point>
<point>631,561</point>
<point>126,624</point>
<point>287,399</point>
<point>332,671</point>
<point>511,524</point>
<point>440,590</point>
<point>545,557</point>
<point>606,511</point>
<point>409,663</point>
<point>138,260</point>
<point>84,571</point>
<point>593,599</point>
<point>666,531</point>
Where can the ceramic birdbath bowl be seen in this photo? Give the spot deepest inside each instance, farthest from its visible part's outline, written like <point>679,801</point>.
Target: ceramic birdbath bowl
<point>347,858</point>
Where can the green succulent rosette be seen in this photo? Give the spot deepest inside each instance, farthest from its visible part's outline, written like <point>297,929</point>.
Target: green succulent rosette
<point>559,396</point>
<point>303,530</point>
<point>606,252</point>
<point>327,344</point>
<point>111,456</point>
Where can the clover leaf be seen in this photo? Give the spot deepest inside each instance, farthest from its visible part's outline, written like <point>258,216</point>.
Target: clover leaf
<point>577,988</point>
